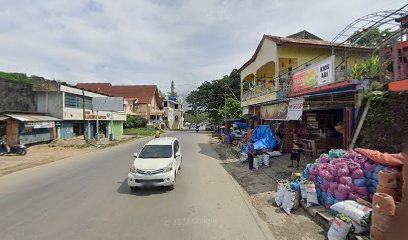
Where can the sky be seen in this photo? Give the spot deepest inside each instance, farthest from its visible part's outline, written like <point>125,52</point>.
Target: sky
<point>157,41</point>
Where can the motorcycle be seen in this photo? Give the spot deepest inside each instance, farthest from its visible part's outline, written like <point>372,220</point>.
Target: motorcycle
<point>17,149</point>
<point>197,129</point>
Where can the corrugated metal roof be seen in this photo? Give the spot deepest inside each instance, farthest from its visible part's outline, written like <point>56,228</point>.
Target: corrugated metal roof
<point>31,117</point>
<point>3,118</point>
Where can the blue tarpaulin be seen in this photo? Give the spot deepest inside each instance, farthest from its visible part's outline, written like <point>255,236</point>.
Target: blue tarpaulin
<point>241,125</point>
<point>263,137</point>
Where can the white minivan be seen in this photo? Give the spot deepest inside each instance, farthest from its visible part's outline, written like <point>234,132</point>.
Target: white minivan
<point>157,164</point>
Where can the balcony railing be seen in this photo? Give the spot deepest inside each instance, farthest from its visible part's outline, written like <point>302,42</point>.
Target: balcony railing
<point>285,86</point>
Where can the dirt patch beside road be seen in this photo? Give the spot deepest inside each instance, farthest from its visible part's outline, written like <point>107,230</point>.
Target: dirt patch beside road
<point>261,186</point>
<point>54,151</point>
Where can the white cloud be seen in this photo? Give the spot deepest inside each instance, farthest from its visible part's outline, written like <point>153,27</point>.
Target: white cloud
<point>156,41</point>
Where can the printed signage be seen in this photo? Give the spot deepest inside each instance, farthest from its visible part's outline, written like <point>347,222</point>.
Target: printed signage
<point>111,104</point>
<point>37,125</point>
<point>283,111</point>
<point>318,74</point>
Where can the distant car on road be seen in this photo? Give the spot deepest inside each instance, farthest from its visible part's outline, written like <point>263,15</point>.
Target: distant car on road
<point>209,127</point>
<point>157,164</point>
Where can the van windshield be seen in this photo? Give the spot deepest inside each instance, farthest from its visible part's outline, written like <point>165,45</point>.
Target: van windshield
<point>156,151</point>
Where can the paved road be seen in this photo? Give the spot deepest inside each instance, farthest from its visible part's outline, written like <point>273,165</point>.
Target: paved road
<point>87,197</point>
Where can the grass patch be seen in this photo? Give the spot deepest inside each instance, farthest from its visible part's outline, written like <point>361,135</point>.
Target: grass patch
<point>139,131</point>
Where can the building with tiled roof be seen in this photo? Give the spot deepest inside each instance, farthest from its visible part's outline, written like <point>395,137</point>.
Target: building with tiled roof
<point>142,100</point>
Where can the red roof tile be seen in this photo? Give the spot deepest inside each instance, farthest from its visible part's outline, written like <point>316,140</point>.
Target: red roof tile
<point>144,93</point>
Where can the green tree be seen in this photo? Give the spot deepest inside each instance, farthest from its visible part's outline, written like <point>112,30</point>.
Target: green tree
<point>133,121</point>
<point>209,96</point>
<point>194,117</point>
<point>233,109</point>
<point>373,37</point>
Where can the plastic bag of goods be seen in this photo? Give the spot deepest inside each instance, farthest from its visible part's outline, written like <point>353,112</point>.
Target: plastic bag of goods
<point>280,194</point>
<point>324,158</point>
<point>357,174</point>
<point>340,195</point>
<point>356,211</point>
<point>337,153</point>
<point>339,228</point>
<point>256,162</point>
<point>346,180</point>
<point>352,166</point>
<point>281,183</point>
<point>343,171</point>
<point>370,166</point>
<point>357,228</point>
<point>265,159</point>
<point>360,182</point>
<point>303,189</point>
<point>243,157</point>
<point>289,200</point>
<point>311,194</point>
<point>294,185</point>
<point>313,178</point>
<point>333,186</point>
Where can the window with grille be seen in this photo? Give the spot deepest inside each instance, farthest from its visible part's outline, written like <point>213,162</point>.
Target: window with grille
<point>76,101</point>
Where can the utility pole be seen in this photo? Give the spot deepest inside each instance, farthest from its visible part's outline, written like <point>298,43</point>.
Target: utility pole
<point>225,103</point>
<point>83,112</point>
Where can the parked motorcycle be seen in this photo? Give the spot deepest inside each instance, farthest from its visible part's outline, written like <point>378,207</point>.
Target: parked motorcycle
<point>17,149</point>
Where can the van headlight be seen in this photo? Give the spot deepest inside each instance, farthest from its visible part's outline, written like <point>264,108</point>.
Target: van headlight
<point>168,168</point>
<point>132,169</point>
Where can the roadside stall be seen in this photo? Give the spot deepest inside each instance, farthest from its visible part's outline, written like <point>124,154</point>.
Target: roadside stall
<point>28,128</point>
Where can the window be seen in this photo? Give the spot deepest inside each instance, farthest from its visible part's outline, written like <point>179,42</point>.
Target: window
<point>176,147</point>
<point>176,106</point>
<point>76,101</point>
<point>156,151</point>
<point>165,103</point>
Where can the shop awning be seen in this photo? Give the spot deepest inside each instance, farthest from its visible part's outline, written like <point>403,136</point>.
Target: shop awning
<point>32,117</point>
<point>283,111</point>
<point>3,118</point>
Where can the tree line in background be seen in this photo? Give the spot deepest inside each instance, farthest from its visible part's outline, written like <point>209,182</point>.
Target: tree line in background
<point>207,102</point>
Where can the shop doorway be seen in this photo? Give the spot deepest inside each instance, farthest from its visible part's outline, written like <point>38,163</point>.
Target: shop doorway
<point>323,129</point>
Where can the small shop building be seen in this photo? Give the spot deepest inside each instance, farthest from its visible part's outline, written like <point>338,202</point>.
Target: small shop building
<point>74,107</point>
<point>27,127</point>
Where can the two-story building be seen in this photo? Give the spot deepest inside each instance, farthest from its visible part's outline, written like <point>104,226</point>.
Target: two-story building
<point>74,107</point>
<point>291,79</point>
<point>173,112</point>
<point>141,100</point>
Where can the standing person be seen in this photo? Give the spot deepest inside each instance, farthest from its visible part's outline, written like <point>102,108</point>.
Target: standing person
<point>296,150</point>
<point>251,153</point>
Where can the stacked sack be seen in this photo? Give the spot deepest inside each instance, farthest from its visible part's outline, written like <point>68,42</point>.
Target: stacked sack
<point>390,182</point>
<point>287,195</point>
<point>346,175</point>
<point>389,192</point>
<point>384,209</point>
<point>338,176</point>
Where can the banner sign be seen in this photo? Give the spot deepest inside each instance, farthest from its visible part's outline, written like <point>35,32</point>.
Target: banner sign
<point>283,111</point>
<point>318,74</point>
<point>295,109</point>
<point>36,125</point>
<point>111,104</point>
<point>277,111</point>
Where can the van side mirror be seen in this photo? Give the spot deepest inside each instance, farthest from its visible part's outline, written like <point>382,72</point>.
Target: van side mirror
<point>178,154</point>
<point>135,155</point>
